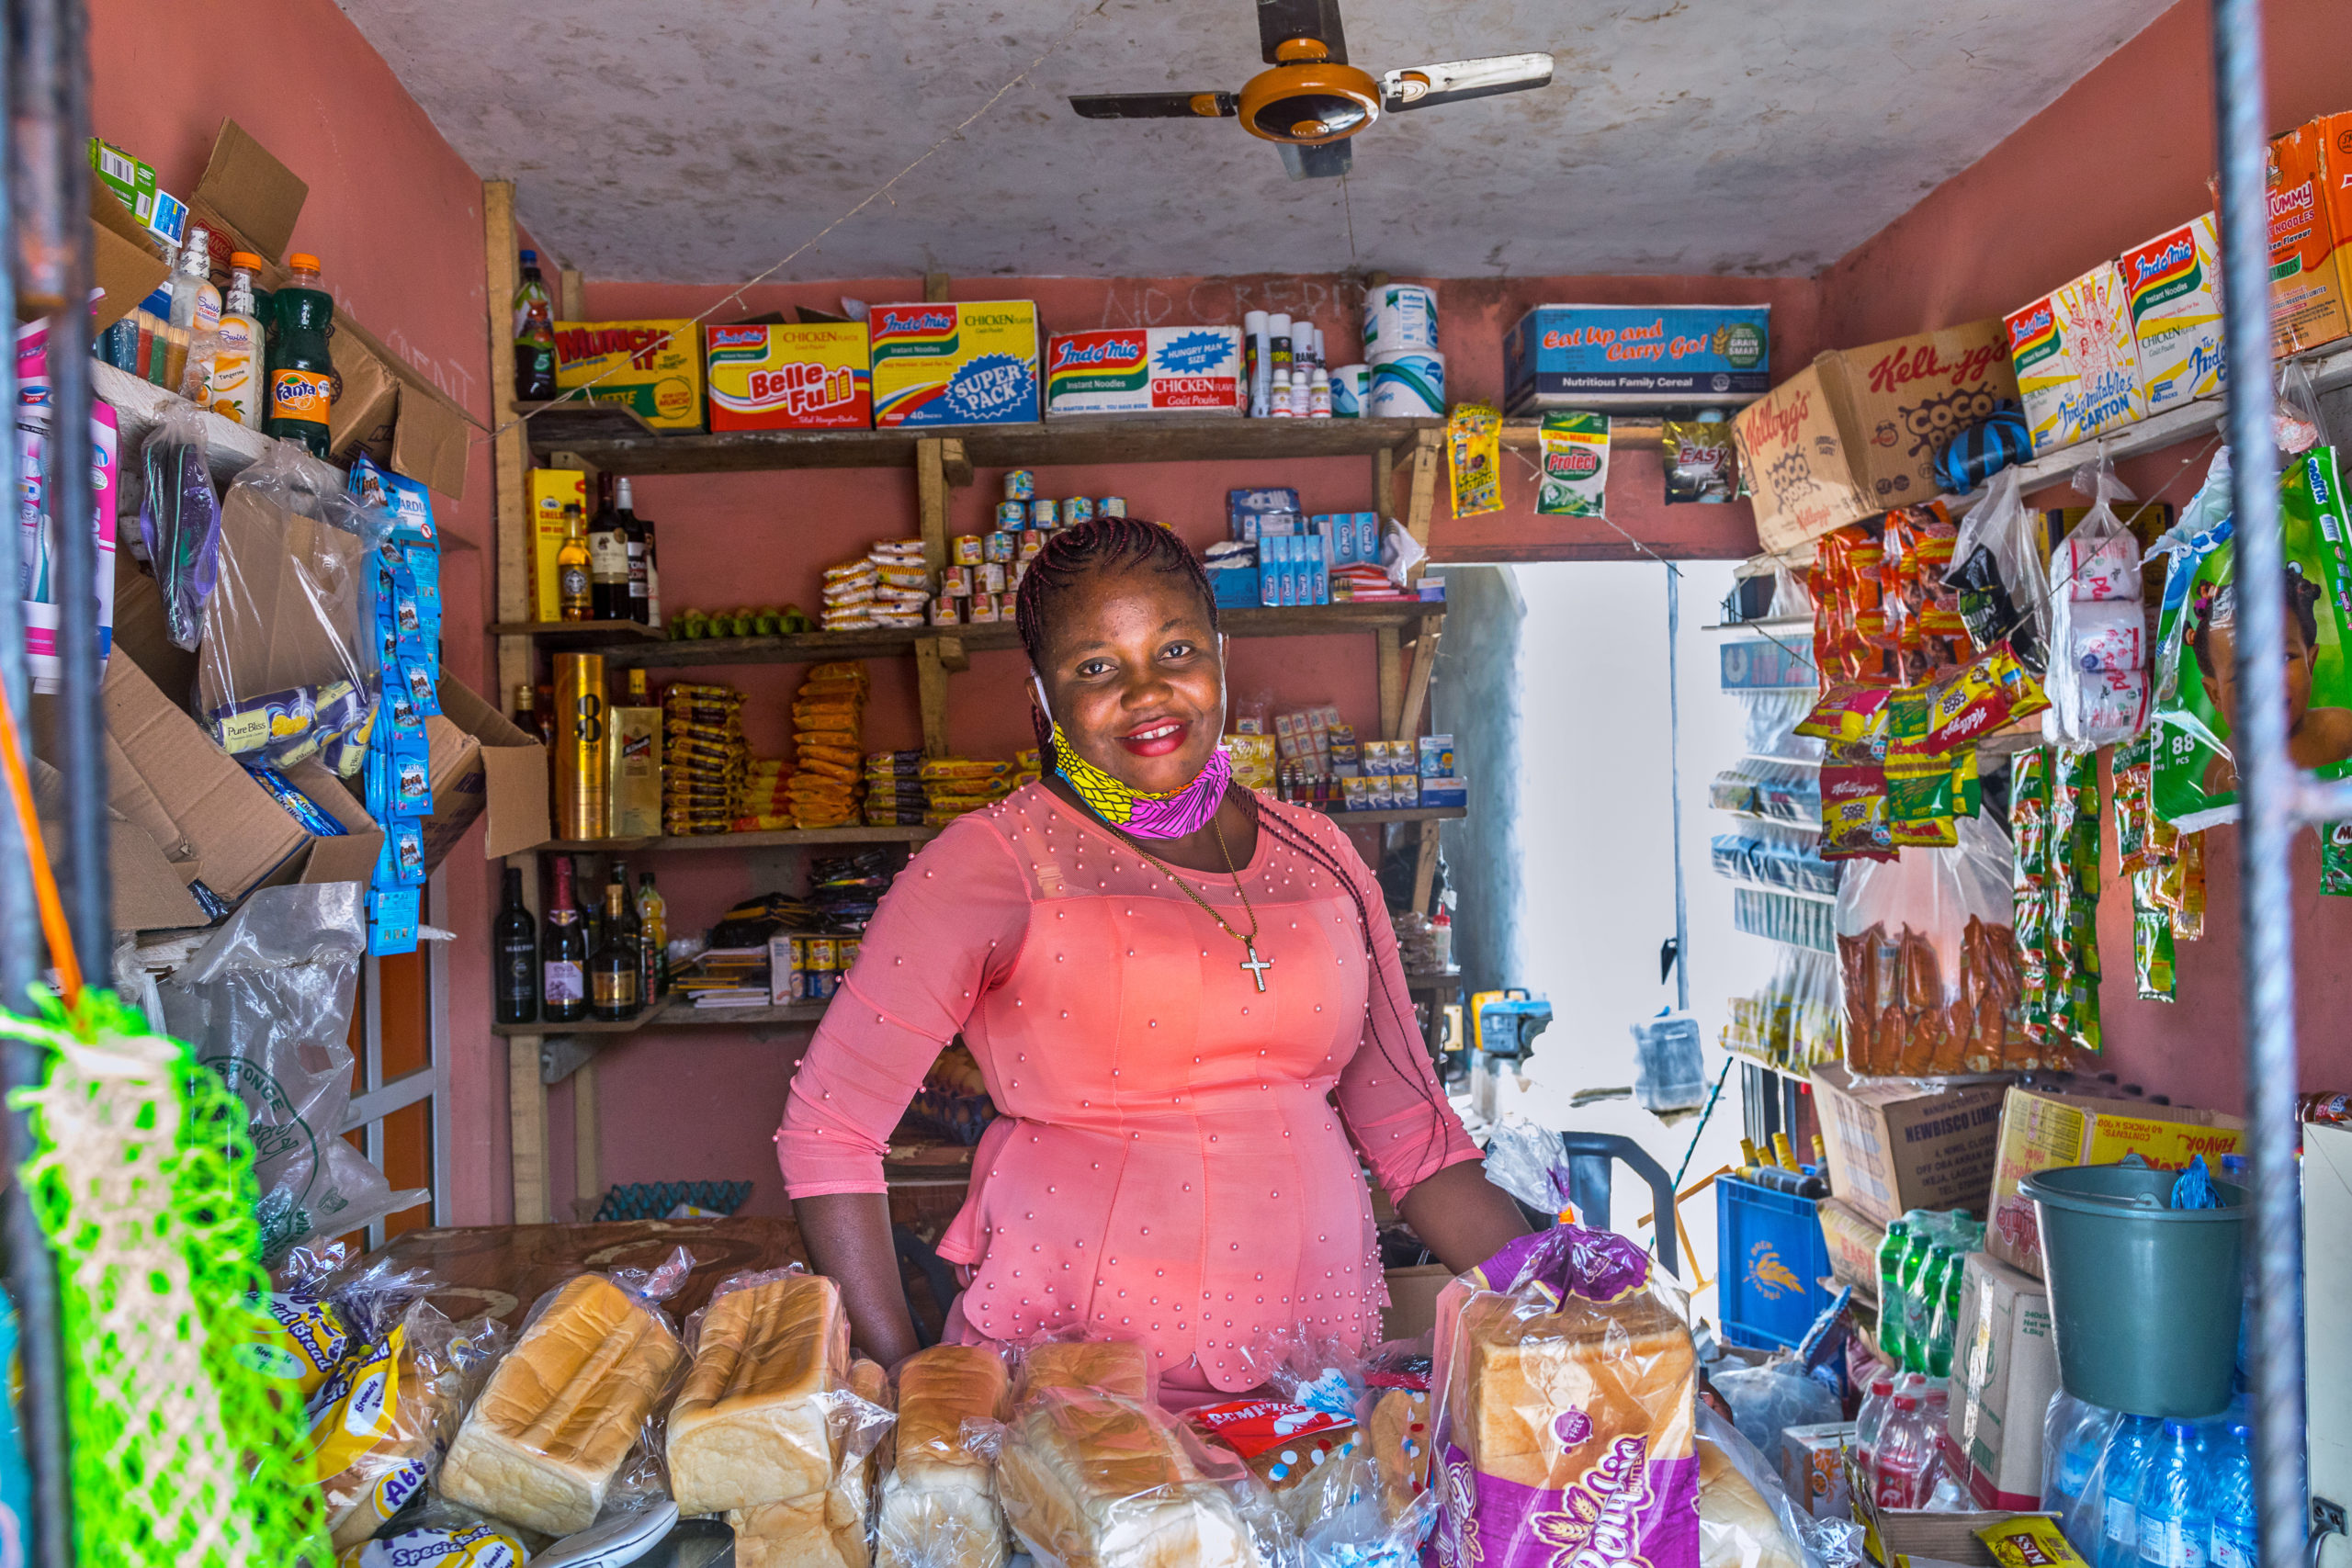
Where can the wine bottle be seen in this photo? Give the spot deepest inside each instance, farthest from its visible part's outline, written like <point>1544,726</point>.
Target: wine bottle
<point>563,955</point>
<point>515,941</point>
<point>612,972</point>
<point>608,560</point>
<point>633,537</point>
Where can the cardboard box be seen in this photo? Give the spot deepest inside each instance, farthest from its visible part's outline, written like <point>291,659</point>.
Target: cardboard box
<point>2043,1131</point>
<point>250,194</point>
<point>1412,1299</point>
<point>653,368</point>
<point>146,893</point>
<point>552,490</point>
<point>1813,1468</point>
<point>973,362</point>
<point>367,407</point>
<point>776,377</point>
<point>2004,1369</point>
<point>2173,284</point>
<point>429,441</point>
<point>1853,1242</point>
<point>482,766</point>
<point>1893,1146</point>
<point>123,261</point>
<point>2308,304</point>
<point>1794,456</point>
<point>1145,370</point>
<point>1637,356</point>
<point>1897,402</point>
<point>633,772</point>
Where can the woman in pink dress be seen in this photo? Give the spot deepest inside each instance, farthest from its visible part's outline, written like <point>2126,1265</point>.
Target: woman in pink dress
<point>1186,1002</point>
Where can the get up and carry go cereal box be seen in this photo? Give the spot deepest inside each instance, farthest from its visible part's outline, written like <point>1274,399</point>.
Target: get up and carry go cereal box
<point>1145,370</point>
<point>968,363</point>
<point>2173,283</point>
<point>653,368</point>
<point>811,377</point>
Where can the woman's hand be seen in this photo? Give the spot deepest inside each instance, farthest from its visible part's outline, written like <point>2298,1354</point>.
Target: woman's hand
<point>1462,1216</point>
<point>848,1238</point>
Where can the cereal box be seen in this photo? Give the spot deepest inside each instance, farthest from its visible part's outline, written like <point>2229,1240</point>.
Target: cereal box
<point>552,490</point>
<point>2041,1132</point>
<point>1636,356</point>
<point>653,368</point>
<point>2307,294</point>
<point>1899,401</point>
<point>2094,319</point>
<point>810,376</point>
<point>955,363</point>
<point>2173,284</point>
<point>1145,370</point>
<point>1795,460</point>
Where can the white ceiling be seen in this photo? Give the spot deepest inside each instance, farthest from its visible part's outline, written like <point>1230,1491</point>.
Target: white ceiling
<point>699,141</point>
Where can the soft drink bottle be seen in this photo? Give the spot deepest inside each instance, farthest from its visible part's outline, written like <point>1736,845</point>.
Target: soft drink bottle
<point>2175,1528</point>
<point>534,335</point>
<point>1890,1291</point>
<point>1938,1280</point>
<point>301,366</point>
<point>1917,1248</point>
<point>1907,1468</point>
<point>2124,1466</point>
<point>2235,1542</point>
<point>1869,1420</point>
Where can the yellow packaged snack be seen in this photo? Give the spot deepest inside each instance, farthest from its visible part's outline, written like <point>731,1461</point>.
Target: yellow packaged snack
<point>1474,443</point>
<point>296,1339</point>
<point>2029,1541</point>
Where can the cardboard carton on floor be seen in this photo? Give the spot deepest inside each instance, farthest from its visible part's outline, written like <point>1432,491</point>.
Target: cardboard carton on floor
<point>1813,1467</point>
<point>482,766</point>
<point>1895,1147</point>
<point>2042,1131</point>
<point>1412,1299</point>
<point>2004,1369</point>
<point>146,893</point>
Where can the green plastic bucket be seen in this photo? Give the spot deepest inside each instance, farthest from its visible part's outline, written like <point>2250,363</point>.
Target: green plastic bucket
<point>2144,1299</point>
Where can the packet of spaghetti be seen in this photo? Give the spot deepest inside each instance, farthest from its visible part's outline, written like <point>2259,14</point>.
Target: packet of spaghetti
<point>1576,464</point>
<point>1474,441</point>
<point>1993,691</point>
<point>2029,1541</point>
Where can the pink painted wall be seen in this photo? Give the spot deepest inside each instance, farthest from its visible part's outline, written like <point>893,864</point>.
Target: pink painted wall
<point>2124,154</point>
<point>395,216</point>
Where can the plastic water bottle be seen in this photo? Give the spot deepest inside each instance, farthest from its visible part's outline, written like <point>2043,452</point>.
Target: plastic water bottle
<point>1905,1473</point>
<point>2175,1528</point>
<point>2078,1434</point>
<point>1869,1420</point>
<point>2125,1464</point>
<point>2235,1541</point>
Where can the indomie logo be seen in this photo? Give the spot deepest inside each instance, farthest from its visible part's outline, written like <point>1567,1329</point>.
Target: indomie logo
<point>1073,351</point>
<point>2028,327</point>
<point>2145,268</point>
<point>916,322</point>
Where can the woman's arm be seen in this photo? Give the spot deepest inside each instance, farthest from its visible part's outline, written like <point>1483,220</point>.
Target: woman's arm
<point>1462,1216</point>
<point>848,1237</point>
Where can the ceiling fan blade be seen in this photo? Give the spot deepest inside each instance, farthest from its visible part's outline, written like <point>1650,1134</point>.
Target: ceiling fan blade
<point>1282,20</point>
<point>1325,161</point>
<point>1421,86</point>
<point>1157,106</point>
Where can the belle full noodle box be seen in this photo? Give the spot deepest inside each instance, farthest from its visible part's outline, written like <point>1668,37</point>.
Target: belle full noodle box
<point>815,376</point>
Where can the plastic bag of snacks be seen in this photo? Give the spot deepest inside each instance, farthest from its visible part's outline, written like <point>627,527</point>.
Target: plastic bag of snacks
<point>2097,679</point>
<point>1474,447</point>
<point>1564,1377</point>
<point>446,1535</point>
<point>1996,574</point>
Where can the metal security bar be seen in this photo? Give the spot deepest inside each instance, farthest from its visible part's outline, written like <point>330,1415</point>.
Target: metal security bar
<point>2275,796</point>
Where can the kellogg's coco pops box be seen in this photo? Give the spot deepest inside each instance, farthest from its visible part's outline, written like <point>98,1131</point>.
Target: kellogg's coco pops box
<point>811,376</point>
<point>1899,403</point>
<point>1145,370</point>
<point>970,363</point>
<point>653,368</point>
<point>2173,284</point>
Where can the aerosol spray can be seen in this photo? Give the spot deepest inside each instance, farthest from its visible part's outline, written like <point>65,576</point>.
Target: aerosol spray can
<point>581,802</point>
<point>1278,332</point>
<point>1257,349</point>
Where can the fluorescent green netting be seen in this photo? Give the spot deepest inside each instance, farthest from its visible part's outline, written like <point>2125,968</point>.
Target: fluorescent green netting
<point>142,1175</point>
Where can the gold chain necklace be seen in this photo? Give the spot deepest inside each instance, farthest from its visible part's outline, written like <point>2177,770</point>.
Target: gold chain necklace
<point>1255,965</point>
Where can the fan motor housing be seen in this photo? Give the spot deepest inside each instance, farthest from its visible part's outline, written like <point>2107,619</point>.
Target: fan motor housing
<point>1309,102</point>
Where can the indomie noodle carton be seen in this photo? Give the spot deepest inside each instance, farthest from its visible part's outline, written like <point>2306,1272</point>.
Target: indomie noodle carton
<point>970,363</point>
<point>811,376</point>
<point>1145,370</point>
<point>2077,366</point>
<point>653,368</point>
<point>2173,286</point>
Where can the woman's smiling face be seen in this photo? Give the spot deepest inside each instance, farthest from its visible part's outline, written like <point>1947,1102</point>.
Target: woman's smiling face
<point>1134,677</point>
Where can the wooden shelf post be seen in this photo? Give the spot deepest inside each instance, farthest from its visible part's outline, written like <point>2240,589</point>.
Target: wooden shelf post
<point>931,513</point>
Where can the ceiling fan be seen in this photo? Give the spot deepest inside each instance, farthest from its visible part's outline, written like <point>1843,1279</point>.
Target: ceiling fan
<point>1313,100</point>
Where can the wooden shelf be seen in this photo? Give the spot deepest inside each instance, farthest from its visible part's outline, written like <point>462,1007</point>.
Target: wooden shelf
<point>1401,814</point>
<point>787,838</point>
<point>574,636</point>
<point>615,441</point>
<point>675,1012</point>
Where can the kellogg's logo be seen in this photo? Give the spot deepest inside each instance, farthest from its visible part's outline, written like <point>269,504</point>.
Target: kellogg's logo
<point>1776,423</point>
<point>1911,363</point>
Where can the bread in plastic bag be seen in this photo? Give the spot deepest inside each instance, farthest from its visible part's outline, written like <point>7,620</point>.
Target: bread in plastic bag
<point>749,1425</point>
<point>179,521</point>
<point>1745,1517</point>
<point>286,667</point>
<point>938,1505</point>
<point>1564,1378</point>
<point>1063,1359</point>
<point>570,1405</point>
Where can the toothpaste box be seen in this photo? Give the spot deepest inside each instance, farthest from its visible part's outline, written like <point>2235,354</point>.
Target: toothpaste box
<point>2173,286</point>
<point>1145,370</point>
<point>2077,365</point>
<point>968,363</point>
<point>653,368</point>
<point>811,376</point>
<point>1637,356</point>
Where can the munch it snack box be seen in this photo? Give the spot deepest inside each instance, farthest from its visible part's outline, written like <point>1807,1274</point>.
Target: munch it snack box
<point>1145,370</point>
<point>652,367</point>
<point>2173,286</point>
<point>970,363</point>
<point>811,377</point>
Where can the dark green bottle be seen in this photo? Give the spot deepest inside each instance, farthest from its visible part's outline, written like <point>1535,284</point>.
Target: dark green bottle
<point>301,366</point>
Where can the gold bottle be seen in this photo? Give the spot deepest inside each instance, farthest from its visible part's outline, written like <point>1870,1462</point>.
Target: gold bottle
<point>579,720</point>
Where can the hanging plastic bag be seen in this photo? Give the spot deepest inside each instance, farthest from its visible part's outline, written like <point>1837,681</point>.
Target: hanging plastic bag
<point>2098,680</point>
<point>1670,1073</point>
<point>179,521</point>
<point>266,1004</point>
<point>1997,572</point>
<point>287,667</point>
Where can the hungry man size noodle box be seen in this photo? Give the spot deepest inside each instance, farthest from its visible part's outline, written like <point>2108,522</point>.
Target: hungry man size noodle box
<point>816,376</point>
<point>2173,284</point>
<point>1145,370</point>
<point>965,363</point>
<point>653,368</point>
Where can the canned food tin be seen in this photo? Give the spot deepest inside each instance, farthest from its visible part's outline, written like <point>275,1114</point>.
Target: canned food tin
<point>1030,545</point>
<point>847,950</point>
<point>992,577</point>
<point>800,952</point>
<point>1111,506</point>
<point>1043,512</point>
<point>820,985</point>
<point>1077,509</point>
<point>957,583</point>
<point>1020,484</point>
<point>821,953</point>
<point>1012,516</point>
<point>967,550</point>
<point>1004,547</point>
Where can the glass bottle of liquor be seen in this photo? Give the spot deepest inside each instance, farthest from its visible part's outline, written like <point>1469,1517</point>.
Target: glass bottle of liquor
<point>574,582</point>
<point>534,335</point>
<point>634,532</point>
<point>563,955</point>
<point>527,712</point>
<point>654,917</point>
<point>608,559</point>
<point>612,972</point>
<point>514,943</point>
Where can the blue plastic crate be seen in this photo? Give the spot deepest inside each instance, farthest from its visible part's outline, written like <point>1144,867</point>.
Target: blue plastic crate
<point>1770,1256</point>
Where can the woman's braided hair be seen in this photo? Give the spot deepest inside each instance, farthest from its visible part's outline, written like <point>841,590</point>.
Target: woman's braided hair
<point>1134,544</point>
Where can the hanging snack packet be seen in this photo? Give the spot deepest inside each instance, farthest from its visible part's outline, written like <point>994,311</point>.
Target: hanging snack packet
<point>1993,691</point>
<point>1846,714</point>
<point>2335,858</point>
<point>2195,683</point>
<point>1853,813</point>
<point>1699,462</point>
<point>2131,769</point>
<point>1474,441</point>
<point>2074,916</point>
<point>1574,449</point>
<point>2151,943</point>
<point>2030,822</point>
<point>1920,809</point>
